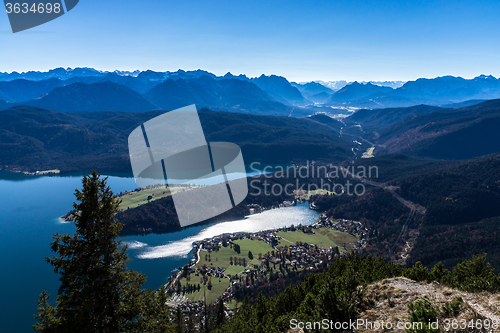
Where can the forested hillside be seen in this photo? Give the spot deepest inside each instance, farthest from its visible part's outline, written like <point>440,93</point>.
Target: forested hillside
<point>34,139</point>
<point>461,200</point>
<point>432,132</point>
<point>338,293</point>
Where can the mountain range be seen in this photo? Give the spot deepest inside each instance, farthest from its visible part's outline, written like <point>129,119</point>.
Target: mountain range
<point>314,91</point>
<point>20,90</point>
<point>101,96</point>
<point>86,89</point>
<point>356,91</point>
<point>226,94</point>
<point>438,91</point>
<point>266,94</point>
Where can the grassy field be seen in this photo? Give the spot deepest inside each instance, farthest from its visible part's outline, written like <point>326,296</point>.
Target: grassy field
<point>368,153</point>
<point>320,191</point>
<point>219,258</point>
<point>256,246</point>
<point>305,195</point>
<point>323,237</point>
<point>234,304</point>
<point>134,199</point>
<point>236,269</point>
<point>219,286</point>
<point>222,258</point>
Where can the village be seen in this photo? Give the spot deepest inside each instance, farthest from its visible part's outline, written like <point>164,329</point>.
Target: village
<point>230,265</point>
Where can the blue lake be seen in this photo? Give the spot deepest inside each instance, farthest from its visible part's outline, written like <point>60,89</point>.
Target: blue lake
<point>29,216</point>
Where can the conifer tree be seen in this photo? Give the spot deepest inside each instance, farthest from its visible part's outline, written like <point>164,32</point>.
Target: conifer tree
<point>220,314</point>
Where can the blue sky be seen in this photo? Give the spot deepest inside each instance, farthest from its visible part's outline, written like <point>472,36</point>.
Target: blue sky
<point>301,40</point>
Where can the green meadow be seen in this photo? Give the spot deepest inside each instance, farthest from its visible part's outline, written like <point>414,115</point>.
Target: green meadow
<point>219,286</point>
<point>222,258</point>
<point>135,199</point>
<point>322,237</point>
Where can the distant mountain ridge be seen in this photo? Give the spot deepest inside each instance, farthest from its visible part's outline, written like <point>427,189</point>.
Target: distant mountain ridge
<point>279,95</point>
<point>60,73</point>
<point>23,90</point>
<point>337,85</point>
<point>313,91</point>
<point>226,94</point>
<point>371,120</point>
<point>101,96</point>
<point>151,91</point>
<point>437,91</point>
<point>356,91</point>
<point>277,87</point>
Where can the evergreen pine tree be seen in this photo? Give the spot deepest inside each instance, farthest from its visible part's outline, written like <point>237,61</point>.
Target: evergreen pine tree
<point>220,313</point>
<point>178,320</point>
<point>190,327</point>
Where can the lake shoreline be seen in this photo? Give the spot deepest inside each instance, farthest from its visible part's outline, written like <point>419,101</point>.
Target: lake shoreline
<point>273,239</point>
<point>252,208</point>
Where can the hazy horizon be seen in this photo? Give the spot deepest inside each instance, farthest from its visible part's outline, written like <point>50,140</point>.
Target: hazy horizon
<point>111,70</point>
<point>302,41</point>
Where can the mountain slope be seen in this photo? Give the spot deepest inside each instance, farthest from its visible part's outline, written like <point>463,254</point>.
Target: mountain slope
<point>463,104</point>
<point>320,98</point>
<point>444,134</point>
<point>102,96</point>
<point>280,89</point>
<point>4,105</point>
<point>226,94</point>
<point>23,90</point>
<point>39,139</point>
<point>460,219</point>
<point>328,121</point>
<point>463,210</point>
<point>395,294</point>
<point>363,294</point>
<point>437,91</point>
<point>450,88</point>
<point>478,139</point>
<point>140,84</point>
<point>356,91</point>
<point>377,119</point>
<point>275,86</point>
<point>312,88</point>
